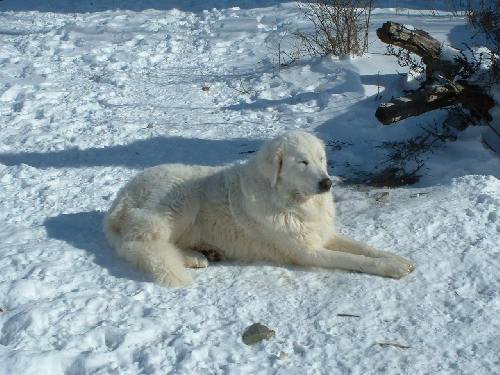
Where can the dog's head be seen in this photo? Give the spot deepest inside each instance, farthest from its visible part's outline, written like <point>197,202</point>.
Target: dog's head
<point>295,162</point>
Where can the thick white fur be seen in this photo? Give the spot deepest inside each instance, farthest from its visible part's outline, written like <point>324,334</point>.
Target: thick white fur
<point>270,209</point>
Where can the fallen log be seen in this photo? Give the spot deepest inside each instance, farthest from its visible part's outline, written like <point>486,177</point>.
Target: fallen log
<point>421,44</point>
<point>442,65</point>
<point>435,97</point>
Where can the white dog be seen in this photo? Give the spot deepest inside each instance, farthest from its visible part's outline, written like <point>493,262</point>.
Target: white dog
<point>276,207</point>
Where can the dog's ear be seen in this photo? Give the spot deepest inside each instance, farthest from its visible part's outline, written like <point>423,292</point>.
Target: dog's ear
<point>271,161</point>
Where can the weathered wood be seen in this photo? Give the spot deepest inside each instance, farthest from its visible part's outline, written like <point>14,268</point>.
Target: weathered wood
<point>415,104</point>
<point>435,97</point>
<point>438,68</point>
<point>416,41</point>
<point>421,44</point>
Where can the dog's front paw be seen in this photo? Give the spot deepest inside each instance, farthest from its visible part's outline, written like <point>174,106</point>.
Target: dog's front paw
<point>396,268</point>
<point>409,263</point>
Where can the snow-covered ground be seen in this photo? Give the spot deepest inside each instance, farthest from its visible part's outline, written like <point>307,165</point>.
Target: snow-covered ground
<point>92,92</point>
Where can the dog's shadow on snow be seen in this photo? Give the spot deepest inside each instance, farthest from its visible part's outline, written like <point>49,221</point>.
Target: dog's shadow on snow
<point>83,230</point>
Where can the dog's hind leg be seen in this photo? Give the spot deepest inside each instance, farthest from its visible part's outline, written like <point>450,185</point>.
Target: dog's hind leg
<point>161,259</point>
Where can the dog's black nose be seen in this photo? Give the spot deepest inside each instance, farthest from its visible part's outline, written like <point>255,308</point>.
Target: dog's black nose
<point>325,185</point>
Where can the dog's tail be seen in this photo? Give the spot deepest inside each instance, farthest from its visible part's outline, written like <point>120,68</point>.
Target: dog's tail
<point>159,258</point>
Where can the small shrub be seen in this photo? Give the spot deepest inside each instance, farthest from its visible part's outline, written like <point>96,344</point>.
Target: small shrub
<point>340,26</point>
<point>481,68</point>
<point>405,159</point>
<point>285,50</point>
<point>484,16</point>
<point>408,60</point>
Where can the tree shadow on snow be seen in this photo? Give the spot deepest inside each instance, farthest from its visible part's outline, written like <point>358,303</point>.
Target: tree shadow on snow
<point>353,146</point>
<point>83,230</point>
<point>141,154</point>
<point>92,6</point>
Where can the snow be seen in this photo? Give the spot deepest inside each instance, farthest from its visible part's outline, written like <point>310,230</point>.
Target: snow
<point>93,92</point>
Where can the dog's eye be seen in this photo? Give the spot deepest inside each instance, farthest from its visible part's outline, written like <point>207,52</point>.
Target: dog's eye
<point>305,162</point>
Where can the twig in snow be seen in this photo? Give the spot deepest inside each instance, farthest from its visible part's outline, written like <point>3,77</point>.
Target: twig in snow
<point>348,316</point>
<point>396,345</point>
<point>242,89</point>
